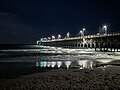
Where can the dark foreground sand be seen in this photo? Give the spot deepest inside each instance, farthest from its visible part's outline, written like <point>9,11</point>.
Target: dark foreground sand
<point>63,79</point>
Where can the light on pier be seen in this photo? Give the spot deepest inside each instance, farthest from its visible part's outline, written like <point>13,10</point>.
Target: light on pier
<point>59,36</point>
<point>68,35</point>
<point>53,37</point>
<point>49,38</point>
<point>105,28</point>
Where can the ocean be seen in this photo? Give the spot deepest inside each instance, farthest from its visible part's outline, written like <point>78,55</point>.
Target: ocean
<point>17,60</point>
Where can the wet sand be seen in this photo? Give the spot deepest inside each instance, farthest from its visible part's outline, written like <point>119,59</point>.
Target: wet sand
<point>62,79</point>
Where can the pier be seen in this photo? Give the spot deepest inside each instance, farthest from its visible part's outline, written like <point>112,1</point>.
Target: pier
<point>100,42</point>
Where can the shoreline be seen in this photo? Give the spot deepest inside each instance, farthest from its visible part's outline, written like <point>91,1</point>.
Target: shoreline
<point>71,79</point>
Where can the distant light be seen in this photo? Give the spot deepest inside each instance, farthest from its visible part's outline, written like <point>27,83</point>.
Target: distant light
<point>83,29</point>
<point>81,32</point>
<point>105,27</point>
<point>37,64</point>
<point>45,38</point>
<point>41,39</point>
<point>41,51</point>
<point>37,42</point>
<point>59,36</point>
<point>53,37</point>
<point>68,35</point>
<point>49,38</point>
<point>41,64</point>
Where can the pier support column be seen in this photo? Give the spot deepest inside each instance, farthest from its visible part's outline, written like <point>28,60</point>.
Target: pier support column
<point>87,45</point>
<point>94,45</point>
<point>80,45</point>
<point>90,45</point>
<point>83,45</point>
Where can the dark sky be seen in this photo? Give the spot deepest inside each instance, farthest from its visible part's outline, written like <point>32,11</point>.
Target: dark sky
<point>25,21</point>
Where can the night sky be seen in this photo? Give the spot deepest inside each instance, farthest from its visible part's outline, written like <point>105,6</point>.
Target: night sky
<point>25,21</point>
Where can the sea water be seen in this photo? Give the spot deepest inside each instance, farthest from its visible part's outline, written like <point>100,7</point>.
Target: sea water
<point>26,59</point>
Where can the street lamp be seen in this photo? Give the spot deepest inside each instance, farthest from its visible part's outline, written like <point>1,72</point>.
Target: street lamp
<point>105,28</point>
<point>68,35</point>
<point>83,31</point>
<point>59,36</point>
<point>53,37</point>
<point>41,39</point>
<point>45,39</point>
<point>49,38</point>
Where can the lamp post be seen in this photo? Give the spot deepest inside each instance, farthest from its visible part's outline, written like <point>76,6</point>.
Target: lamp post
<point>53,37</point>
<point>45,39</point>
<point>59,36</point>
<point>83,31</point>
<point>105,28</point>
<point>49,38</point>
<point>68,35</point>
<point>41,39</point>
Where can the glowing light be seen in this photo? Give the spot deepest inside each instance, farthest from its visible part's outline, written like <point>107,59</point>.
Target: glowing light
<point>67,63</point>
<point>59,36</point>
<point>41,39</point>
<point>37,42</point>
<point>59,63</point>
<point>105,27</point>
<point>45,39</point>
<point>68,35</point>
<point>81,32</point>
<point>105,60</point>
<point>53,64</point>
<point>49,38</point>
<point>83,63</point>
<point>53,37</point>
<point>45,64</point>
<point>37,64</point>
<point>48,64</point>
<point>41,64</point>
<point>83,29</point>
<point>41,51</point>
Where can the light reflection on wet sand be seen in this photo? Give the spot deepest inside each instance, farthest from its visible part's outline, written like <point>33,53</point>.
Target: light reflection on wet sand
<point>61,57</point>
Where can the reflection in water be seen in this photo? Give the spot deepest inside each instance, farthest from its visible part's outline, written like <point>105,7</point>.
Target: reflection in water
<point>83,64</point>
<point>85,58</point>
<point>48,64</point>
<point>86,64</point>
<point>59,63</point>
<point>104,60</point>
<point>45,63</point>
<point>53,63</point>
<point>67,63</point>
<point>37,64</point>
